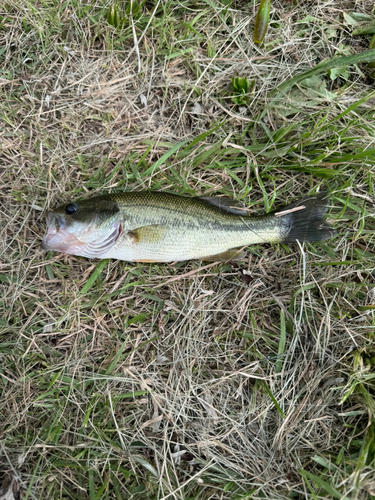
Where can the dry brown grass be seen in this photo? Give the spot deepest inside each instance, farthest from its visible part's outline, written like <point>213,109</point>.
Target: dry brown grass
<point>172,381</point>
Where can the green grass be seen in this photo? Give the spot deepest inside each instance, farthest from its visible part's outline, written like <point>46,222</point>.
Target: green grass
<point>188,381</point>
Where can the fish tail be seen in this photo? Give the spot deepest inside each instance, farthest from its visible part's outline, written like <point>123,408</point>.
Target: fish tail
<point>303,219</point>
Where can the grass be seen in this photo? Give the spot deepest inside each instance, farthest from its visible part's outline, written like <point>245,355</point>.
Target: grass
<point>243,380</point>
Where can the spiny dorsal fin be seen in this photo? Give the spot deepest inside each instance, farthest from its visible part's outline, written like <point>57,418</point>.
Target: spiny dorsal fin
<point>225,204</point>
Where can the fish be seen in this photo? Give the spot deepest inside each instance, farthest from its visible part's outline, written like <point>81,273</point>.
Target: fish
<point>147,226</point>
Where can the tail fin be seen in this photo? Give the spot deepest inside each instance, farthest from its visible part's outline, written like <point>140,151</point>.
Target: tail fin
<point>304,219</point>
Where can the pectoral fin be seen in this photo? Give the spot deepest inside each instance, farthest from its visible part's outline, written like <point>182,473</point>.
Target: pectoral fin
<point>231,254</point>
<point>148,234</point>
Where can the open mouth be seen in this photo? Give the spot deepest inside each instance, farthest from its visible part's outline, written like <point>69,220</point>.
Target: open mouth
<point>57,238</point>
<point>55,222</point>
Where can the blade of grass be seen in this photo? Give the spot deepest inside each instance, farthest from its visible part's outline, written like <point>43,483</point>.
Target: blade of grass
<point>151,170</point>
<point>111,367</point>
<point>335,62</point>
<point>278,408</point>
<point>281,342</point>
<point>201,137</point>
<point>323,484</point>
<point>94,276</point>
<point>366,29</point>
<point>354,106</point>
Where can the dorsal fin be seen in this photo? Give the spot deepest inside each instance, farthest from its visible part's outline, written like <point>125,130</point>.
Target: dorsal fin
<point>225,204</point>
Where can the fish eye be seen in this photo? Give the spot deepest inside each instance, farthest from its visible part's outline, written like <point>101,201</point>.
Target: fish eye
<point>71,208</point>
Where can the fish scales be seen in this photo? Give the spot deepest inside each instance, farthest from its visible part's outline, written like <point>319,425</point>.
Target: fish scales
<point>163,227</point>
<point>195,229</point>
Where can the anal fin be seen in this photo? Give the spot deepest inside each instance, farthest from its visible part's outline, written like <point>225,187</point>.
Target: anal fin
<point>231,254</point>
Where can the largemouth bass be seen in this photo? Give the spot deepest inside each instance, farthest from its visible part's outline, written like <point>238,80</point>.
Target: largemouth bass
<point>162,227</point>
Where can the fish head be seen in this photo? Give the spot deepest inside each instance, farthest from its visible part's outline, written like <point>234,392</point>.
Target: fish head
<point>88,228</point>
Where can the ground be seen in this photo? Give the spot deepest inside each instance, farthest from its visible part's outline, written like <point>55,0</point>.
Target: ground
<point>242,380</point>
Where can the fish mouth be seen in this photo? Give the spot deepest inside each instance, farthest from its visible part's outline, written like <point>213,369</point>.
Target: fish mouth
<point>55,222</point>
<point>57,237</point>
